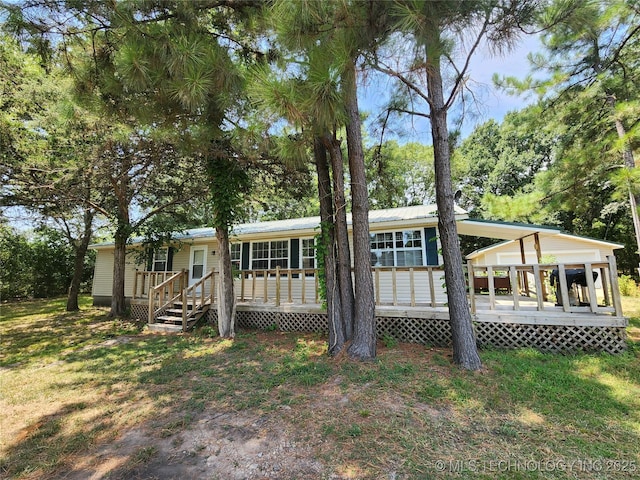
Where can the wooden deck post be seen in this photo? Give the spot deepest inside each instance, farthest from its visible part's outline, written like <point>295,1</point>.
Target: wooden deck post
<point>183,297</point>
<point>615,287</point>
<point>539,279</point>
<point>591,287</point>
<point>412,288</point>
<point>304,286</point>
<point>432,288</point>
<point>151,306</point>
<point>564,289</point>
<point>491,285</point>
<point>277,286</point>
<point>472,290</point>
<point>536,245</point>
<point>265,289</point>
<point>394,286</point>
<point>525,280</point>
<point>135,284</point>
<point>513,274</point>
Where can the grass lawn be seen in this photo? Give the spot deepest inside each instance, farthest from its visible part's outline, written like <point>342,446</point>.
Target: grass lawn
<point>83,396</point>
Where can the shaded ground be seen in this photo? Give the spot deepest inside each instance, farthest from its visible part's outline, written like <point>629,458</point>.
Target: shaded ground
<point>84,397</point>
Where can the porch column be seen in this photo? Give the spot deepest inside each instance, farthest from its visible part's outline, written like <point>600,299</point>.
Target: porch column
<point>523,257</point>
<point>536,244</point>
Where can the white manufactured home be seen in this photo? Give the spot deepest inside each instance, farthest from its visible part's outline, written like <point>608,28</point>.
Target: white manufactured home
<point>510,290</point>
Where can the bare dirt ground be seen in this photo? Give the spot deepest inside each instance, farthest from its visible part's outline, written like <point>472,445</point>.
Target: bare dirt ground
<point>215,446</point>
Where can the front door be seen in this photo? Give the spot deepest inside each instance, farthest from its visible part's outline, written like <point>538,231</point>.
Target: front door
<point>197,264</point>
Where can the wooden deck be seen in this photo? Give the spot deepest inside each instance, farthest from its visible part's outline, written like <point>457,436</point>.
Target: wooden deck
<point>512,294</point>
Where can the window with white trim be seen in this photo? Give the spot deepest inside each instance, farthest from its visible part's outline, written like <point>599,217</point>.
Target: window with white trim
<point>397,249</point>
<point>236,255</point>
<point>160,257</point>
<point>308,253</point>
<point>269,255</point>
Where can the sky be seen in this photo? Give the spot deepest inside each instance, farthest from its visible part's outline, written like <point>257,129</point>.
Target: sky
<point>492,104</point>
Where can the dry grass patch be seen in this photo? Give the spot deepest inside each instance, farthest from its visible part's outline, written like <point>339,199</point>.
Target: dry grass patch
<point>86,397</point>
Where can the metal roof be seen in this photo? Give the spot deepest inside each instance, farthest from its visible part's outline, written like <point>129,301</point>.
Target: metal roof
<point>502,230</point>
<point>310,223</point>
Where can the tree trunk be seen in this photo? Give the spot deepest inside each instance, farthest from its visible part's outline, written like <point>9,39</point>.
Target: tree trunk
<point>226,297</point>
<point>363,345</point>
<point>118,307</point>
<point>80,252</point>
<point>630,163</point>
<point>343,253</point>
<point>337,335</point>
<point>465,351</point>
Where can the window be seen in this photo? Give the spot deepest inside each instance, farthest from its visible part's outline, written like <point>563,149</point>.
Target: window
<point>269,255</point>
<point>160,260</point>
<point>308,253</point>
<point>402,249</point>
<point>236,252</point>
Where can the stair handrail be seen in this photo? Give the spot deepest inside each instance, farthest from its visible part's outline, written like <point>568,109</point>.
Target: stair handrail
<point>169,283</point>
<point>192,289</point>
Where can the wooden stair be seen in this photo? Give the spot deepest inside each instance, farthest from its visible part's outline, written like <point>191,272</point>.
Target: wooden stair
<point>171,321</point>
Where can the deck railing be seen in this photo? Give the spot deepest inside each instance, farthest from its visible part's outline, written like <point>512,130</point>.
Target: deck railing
<point>410,286</point>
<point>533,282</point>
<point>167,293</point>
<point>498,287</point>
<point>143,281</point>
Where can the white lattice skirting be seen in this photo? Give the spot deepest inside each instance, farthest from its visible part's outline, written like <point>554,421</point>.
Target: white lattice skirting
<point>437,333</point>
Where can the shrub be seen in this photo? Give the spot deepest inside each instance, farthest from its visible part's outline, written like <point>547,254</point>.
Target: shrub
<point>628,286</point>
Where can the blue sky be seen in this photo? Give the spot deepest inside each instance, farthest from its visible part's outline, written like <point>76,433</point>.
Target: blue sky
<point>491,102</point>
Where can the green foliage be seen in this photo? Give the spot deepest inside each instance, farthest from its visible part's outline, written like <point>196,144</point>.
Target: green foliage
<point>321,243</point>
<point>228,182</point>
<point>15,264</point>
<point>39,267</point>
<point>389,341</point>
<point>628,286</point>
<point>400,175</point>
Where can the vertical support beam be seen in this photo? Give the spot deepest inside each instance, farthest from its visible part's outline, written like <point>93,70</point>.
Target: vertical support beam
<point>265,289</point>
<point>304,286</point>
<point>564,289</point>
<point>394,286</point>
<point>605,285</point>
<point>253,286</point>
<point>243,276</point>
<point>142,287</point>
<point>615,287</point>
<point>513,274</point>
<point>536,245</point>
<point>184,310</point>
<point>213,287</point>
<point>290,295</point>
<point>491,285</point>
<point>151,306</point>
<point>472,290</point>
<point>278,286</point>
<point>523,257</point>
<point>317,286</point>
<point>432,288</point>
<point>377,278</point>
<point>591,287</point>
<point>412,288</point>
<point>135,284</point>
<point>539,279</point>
